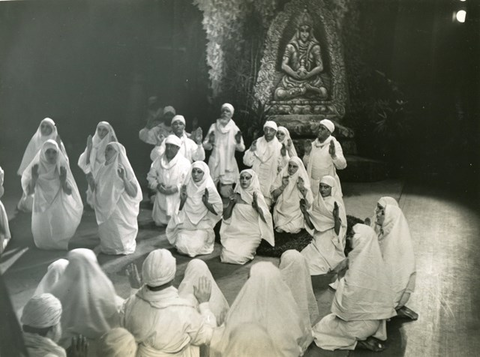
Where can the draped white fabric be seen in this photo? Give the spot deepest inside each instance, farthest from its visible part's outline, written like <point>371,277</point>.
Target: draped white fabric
<point>222,163</point>
<point>56,214</point>
<point>116,211</point>
<point>170,173</point>
<point>296,274</point>
<point>290,149</point>
<point>197,268</point>
<point>287,215</point>
<point>189,149</point>
<point>191,229</point>
<point>39,346</point>
<point>243,231</point>
<point>266,300</point>
<point>54,273</point>
<point>397,251</point>
<point>88,297</point>
<point>4,226</point>
<point>250,339</point>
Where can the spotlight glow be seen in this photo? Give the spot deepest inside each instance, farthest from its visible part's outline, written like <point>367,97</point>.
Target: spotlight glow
<point>461,15</point>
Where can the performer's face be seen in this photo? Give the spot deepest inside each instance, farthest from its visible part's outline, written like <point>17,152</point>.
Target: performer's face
<point>102,132</point>
<point>269,133</point>
<point>380,214</point>
<point>109,154</point>
<point>323,133</point>
<point>245,180</point>
<point>197,174</point>
<point>325,190</point>
<point>292,168</point>
<point>51,156</point>
<point>280,135</point>
<point>226,115</point>
<point>171,151</point>
<point>178,127</point>
<point>46,129</point>
<point>304,31</point>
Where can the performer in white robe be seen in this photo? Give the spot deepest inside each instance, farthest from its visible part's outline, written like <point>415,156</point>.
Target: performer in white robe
<point>250,339</point>
<point>290,187</point>
<point>46,131</point>
<point>163,323</point>
<point>93,157</point>
<point>324,157</point>
<point>224,138</point>
<point>42,328</point>
<point>166,176</point>
<point>246,221</point>
<point>362,302</point>
<point>192,150</point>
<point>117,202</point>
<point>398,253</point>
<point>267,157</point>
<point>117,342</point>
<point>90,304</point>
<point>158,126</point>
<point>54,272</point>
<point>197,268</point>
<point>190,229</point>
<point>57,206</point>
<point>283,136</point>
<point>328,227</point>
<point>295,272</point>
<point>268,301</point>
<point>5,235</point>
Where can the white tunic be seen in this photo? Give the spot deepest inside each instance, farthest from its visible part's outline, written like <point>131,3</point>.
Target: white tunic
<point>189,149</point>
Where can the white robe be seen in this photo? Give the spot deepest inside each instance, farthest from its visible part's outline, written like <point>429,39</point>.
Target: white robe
<point>190,230</point>
<point>116,211</point>
<point>189,149</point>
<point>266,161</point>
<point>170,173</point>
<point>39,346</point>
<point>222,163</point>
<point>363,300</point>
<point>56,214</point>
<point>54,273</point>
<point>4,226</point>
<point>165,324</point>
<point>320,163</point>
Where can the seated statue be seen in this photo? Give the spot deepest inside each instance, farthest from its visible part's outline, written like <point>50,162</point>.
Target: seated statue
<point>302,64</point>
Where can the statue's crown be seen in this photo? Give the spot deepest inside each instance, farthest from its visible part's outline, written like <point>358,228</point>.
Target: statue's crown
<point>304,18</point>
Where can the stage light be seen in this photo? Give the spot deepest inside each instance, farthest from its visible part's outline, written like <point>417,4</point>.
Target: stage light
<point>460,16</point>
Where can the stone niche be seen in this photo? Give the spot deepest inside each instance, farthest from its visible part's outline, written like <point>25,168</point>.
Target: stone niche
<point>296,102</point>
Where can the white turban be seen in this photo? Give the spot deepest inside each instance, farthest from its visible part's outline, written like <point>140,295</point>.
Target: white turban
<point>178,118</point>
<point>270,124</point>
<point>117,342</point>
<point>328,180</point>
<point>328,124</point>
<point>229,106</point>
<point>174,140</point>
<point>42,311</point>
<point>159,268</point>
<point>169,109</point>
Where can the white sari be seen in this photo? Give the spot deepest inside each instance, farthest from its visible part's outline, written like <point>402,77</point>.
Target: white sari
<point>266,299</point>
<point>56,214</point>
<point>4,226</point>
<point>326,250</point>
<point>190,230</point>
<point>54,273</point>
<point>363,300</point>
<point>292,152</point>
<point>242,233</point>
<point>287,215</point>
<point>97,155</point>
<point>397,251</point>
<point>116,211</point>
<point>170,173</point>
<point>35,144</point>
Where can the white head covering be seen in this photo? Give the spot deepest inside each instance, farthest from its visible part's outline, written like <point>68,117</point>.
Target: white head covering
<point>42,311</point>
<point>386,200</point>
<point>266,299</point>
<point>270,124</point>
<point>169,109</point>
<point>330,181</point>
<point>296,274</point>
<point>174,140</point>
<point>53,275</point>
<point>397,251</point>
<point>291,150</point>
<point>36,143</point>
<point>365,292</point>
<point>117,342</point>
<point>97,154</point>
<point>197,268</point>
<point>229,106</point>
<point>328,124</point>
<point>159,268</point>
<point>194,207</point>
<point>291,194</point>
<point>179,118</point>
<point>110,187</point>
<point>266,229</point>
<point>250,339</point>
<point>87,295</point>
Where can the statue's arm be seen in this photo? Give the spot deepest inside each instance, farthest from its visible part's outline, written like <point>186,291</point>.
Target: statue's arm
<point>318,62</point>
<point>286,59</point>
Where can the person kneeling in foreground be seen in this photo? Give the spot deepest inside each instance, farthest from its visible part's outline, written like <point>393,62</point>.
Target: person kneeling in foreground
<point>190,230</point>
<point>363,300</point>
<point>42,329</point>
<point>246,221</point>
<point>162,322</point>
